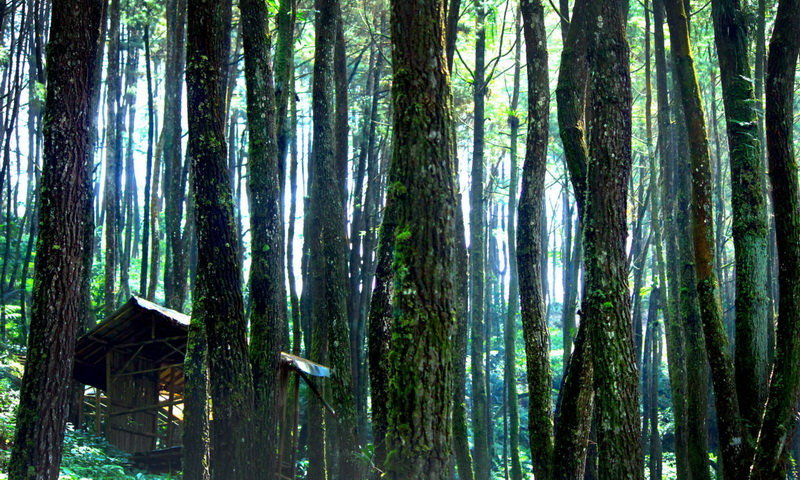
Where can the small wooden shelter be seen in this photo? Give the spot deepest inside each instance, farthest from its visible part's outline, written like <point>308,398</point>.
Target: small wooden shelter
<point>132,365</point>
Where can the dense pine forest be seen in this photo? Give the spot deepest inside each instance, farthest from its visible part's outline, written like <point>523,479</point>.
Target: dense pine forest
<point>399,239</point>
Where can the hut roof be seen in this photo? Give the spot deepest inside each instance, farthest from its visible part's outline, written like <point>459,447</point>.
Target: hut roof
<point>148,330</point>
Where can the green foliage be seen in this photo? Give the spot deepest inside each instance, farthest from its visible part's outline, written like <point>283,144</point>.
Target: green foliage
<point>86,456</point>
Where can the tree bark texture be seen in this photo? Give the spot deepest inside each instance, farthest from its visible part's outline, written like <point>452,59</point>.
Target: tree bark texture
<point>607,306</point>
<point>510,326</point>
<point>217,292</point>
<point>422,183</point>
<point>268,326</point>
<point>58,296</point>
<point>728,416</point>
<point>327,250</point>
<point>774,443</point>
<point>529,243</point>
<point>749,202</point>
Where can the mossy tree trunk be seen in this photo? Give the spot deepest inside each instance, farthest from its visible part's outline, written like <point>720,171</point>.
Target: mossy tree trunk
<point>58,293</point>
<point>728,417</point>
<point>607,305</point>
<point>749,202</point>
<point>422,183</point>
<point>379,337</point>
<point>217,295</point>
<point>529,243</point>
<point>327,256</point>
<point>774,443</point>
<point>673,327</point>
<point>688,313</point>
<point>573,414</point>
<point>268,327</point>
<point>196,428</point>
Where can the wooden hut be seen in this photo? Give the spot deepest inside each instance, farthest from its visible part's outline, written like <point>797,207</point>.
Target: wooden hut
<point>132,365</point>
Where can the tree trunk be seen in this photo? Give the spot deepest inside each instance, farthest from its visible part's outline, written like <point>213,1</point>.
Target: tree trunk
<point>688,306</point>
<point>284,78</point>
<point>510,328</point>
<point>327,253</point>
<point>58,278</point>
<point>174,181</point>
<point>748,199</point>
<point>267,284</point>
<point>529,244</point>
<point>461,283</point>
<point>607,300</point>
<point>148,182</point>
<point>774,443</point>
<point>728,417</point>
<point>477,260</point>
<point>655,467</point>
<point>196,428</point>
<point>217,292</point>
<point>379,338</point>
<point>673,328</point>
<point>130,209</point>
<point>114,126</point>
<point>422,183</point>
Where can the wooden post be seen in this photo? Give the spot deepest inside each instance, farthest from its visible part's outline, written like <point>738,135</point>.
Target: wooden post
<point>170,388</point>
<point>98,411</point>
<point>109,400</point>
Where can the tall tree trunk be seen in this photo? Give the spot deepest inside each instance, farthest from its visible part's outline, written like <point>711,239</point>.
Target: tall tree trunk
<point>688,306</point>
<point>114,126</point>
<point>148,182</point>
<point>196,429</point>
<point>461,283</point>
<point>267,285</point>
<point>572,253</point>
<point>357,286</point>
<point>573,415</point>
<point>655,465</point>
<point>529,246</point>
<point>284,78</point>
<point>422,183</point>
<point>58,278</point>
<point>477,258</point>
<point>380,324</point>
<point>341,124</point>
<point>130,209</point>
<point>327,250</point>
<point>749,202</point>
<point>155,209</point>
<point>674,331</point>
<point>175,272</point>
<point>510,328</point>
<point>607,299</point>
<point>774,443</point>
<point>571,98</point>
<point>728,417</point>
<point>217,295</point>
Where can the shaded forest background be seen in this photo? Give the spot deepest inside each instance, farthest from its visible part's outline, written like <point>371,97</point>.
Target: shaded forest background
<point>518,236</point>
